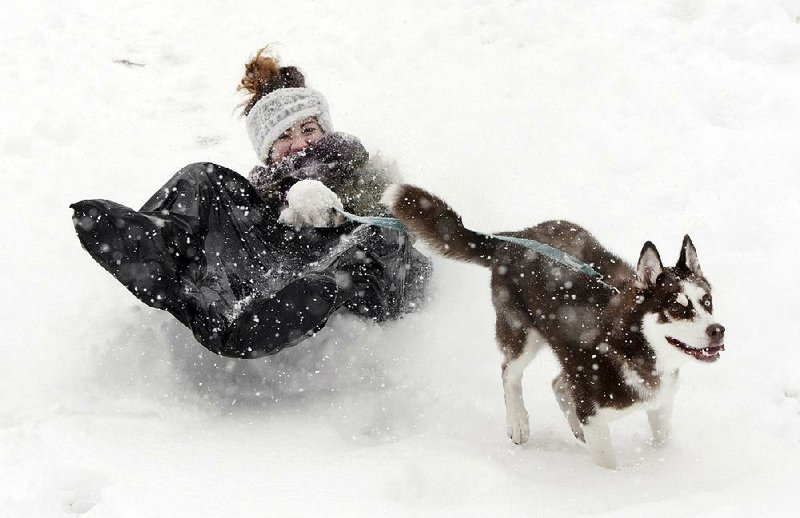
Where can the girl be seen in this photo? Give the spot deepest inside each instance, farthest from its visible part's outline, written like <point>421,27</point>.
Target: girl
<point>255,267</point>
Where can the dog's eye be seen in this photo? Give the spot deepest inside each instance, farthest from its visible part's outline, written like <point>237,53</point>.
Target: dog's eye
<point>707,303</point>
<point>676,309</point>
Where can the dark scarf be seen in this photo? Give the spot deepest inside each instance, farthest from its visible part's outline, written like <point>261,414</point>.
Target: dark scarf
<point>337,160</point>
<point>329,160</point>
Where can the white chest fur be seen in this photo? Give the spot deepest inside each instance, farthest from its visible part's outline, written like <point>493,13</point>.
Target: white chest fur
<point>650,397</point>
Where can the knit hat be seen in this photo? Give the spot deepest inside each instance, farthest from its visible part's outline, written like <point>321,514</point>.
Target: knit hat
<point>280,110</point>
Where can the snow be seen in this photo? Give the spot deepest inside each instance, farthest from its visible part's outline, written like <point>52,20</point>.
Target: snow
<point>639,120</point>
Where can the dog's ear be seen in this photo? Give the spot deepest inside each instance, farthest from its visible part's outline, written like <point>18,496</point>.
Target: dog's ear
<point>649,267</point>
<point>688,260</point>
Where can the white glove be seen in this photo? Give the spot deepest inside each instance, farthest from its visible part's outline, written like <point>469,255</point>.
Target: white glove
<point>311,204</point>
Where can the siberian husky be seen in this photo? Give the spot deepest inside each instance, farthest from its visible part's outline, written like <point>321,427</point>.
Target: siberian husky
<point>618,350</point>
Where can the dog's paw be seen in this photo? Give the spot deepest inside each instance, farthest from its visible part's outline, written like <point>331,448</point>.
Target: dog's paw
<point>518,428</point>
<point>659,440</point>
<point>603,455</point>
<point>605,461</point>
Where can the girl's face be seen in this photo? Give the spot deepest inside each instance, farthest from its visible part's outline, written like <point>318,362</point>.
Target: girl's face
<point>295,139</point>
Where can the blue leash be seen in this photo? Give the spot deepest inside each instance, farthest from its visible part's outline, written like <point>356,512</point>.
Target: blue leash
<point>378,221</point>
<point>559,256</point>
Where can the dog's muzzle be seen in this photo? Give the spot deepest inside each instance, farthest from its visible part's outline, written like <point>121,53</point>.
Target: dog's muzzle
<point>710,353</point>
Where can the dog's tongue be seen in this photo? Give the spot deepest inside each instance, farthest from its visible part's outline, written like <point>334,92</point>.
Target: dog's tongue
<point>712,351</point>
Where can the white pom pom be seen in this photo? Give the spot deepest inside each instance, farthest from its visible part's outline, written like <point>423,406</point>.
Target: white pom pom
<point>311,203</point>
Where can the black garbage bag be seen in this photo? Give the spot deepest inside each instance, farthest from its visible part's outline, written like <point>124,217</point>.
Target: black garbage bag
<point>207,248</point>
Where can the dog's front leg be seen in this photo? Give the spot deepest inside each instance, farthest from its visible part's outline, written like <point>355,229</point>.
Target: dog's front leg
<point>598,439</point>
<point>660,423</point>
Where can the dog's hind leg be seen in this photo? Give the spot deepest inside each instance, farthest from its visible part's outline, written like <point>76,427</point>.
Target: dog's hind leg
<point>519,346</point>
<point>563,394</point>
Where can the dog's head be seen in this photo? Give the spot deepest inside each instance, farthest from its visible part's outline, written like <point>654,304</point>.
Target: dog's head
<point>678,320</point>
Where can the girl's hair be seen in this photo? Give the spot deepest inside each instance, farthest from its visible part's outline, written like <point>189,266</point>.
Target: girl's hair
<point>263,75</point>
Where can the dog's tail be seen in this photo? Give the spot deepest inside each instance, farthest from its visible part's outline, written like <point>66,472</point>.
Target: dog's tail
<point>439,226</point>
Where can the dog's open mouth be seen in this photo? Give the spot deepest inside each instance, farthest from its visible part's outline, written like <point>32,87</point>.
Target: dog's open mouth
<point>706,354</point>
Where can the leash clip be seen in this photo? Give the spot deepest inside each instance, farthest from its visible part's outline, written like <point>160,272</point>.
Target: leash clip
<point>607,285</point>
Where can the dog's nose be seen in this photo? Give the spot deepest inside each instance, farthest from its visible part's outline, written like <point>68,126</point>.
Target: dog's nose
<point>716,332</point>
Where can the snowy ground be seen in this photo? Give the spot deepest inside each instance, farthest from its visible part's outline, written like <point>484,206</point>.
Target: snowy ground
<point>640,120</point>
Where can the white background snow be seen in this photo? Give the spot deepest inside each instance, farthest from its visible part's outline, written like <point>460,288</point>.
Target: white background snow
<point>639,120</point>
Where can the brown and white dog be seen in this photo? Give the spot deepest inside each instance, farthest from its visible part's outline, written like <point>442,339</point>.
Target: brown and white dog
<point>618,351</point>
